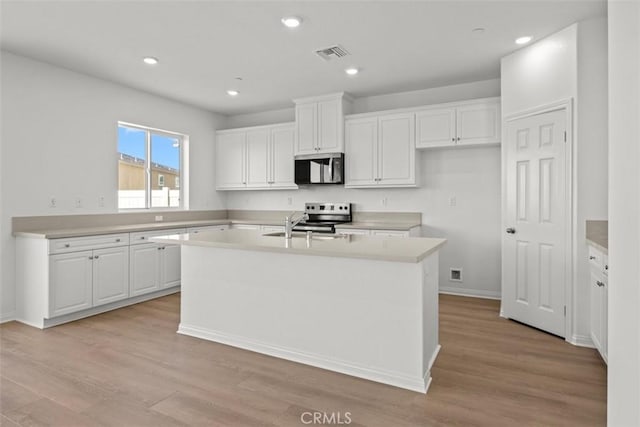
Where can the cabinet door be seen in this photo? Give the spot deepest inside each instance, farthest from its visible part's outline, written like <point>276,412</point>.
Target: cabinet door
<point>170,266</point>
<point>604,322</point>
<point>110,275</point>
<point>436,128</point>
<point>257,173</point>
<point>330,133</point>
<point>397,150</point>
<point>230,161</point>
<point>361,152</point>
<point>596,310</point>
<point>478,124</point>
<point>70,277</point>
<point>282,163</point>
<point>306,128</point>
<point>144,274</point>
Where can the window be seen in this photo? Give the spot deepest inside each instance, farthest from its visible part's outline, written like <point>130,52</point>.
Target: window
<point>149,168</point>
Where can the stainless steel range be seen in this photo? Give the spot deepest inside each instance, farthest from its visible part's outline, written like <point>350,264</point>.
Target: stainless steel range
<point>323,217</point>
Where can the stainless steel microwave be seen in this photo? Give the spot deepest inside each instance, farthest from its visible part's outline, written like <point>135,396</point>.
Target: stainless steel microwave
<point>319,169</point>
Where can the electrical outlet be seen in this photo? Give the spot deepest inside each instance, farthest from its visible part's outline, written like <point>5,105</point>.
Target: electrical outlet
<point>290,201</point>
<point>101,201</point>
<point>384,201</point>
<point>455,275</point>
<point>78,202</point>
<point>453,201</point>
<point>159,217</point>
<point>53,202</point>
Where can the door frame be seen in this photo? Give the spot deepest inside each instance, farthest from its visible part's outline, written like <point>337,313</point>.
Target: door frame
<point>570,262</point>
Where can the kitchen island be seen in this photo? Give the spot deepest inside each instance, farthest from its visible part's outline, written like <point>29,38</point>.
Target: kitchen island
<point>359,305</point>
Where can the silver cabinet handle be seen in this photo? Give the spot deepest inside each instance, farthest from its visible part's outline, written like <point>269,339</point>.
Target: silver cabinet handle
<point>90,257</point>
<point>96,257</point>
<point>159,248</point>
<point>592,257</point>
<point>117,240</point>
<point>453,140</point>
<point>606,267</point>
<point>599,283</point>
<point>458,138</point>
<point>67,245</point>
<point>142,237</point>
<point>511,230</point>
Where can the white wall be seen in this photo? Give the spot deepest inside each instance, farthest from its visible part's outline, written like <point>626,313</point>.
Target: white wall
<point>59,138</point>
<point>472,175</point>
<point>481,89</point>
<point>624,214</point>
<point>570,64</point>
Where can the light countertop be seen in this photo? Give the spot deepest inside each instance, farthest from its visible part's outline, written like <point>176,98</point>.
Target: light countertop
<point>113,229</point>
<point>130,228</point>
<point>410,249</point>
<point>598,234</point>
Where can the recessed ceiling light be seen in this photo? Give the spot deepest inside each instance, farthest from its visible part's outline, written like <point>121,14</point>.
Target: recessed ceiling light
<point>150,60</point>
<point>232,92</point>
<point>291,21</point>
<point>352,71</point>
<point>523,40</point>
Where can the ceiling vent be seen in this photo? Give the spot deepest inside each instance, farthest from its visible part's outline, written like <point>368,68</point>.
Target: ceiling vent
<point>332,52</point>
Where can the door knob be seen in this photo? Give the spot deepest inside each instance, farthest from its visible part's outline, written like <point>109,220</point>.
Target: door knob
<point>511,230</point>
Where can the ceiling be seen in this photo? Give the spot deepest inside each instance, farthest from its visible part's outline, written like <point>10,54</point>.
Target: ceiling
<point>204,45</point>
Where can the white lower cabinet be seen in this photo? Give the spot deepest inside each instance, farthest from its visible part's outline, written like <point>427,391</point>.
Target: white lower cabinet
<point>154,266</point>
<point>598,285</point>
<point>144,273</point>
<point>110,275</point>
<point>88,278</point>
<point>70,283</point>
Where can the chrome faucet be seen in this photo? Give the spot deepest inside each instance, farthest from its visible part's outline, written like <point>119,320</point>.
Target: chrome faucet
<point>290,222</point>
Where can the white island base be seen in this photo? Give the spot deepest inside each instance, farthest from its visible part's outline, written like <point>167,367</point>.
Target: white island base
<point>368,318</point>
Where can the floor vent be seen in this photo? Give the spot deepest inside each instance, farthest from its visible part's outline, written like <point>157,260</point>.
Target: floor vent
<point>332,52</point>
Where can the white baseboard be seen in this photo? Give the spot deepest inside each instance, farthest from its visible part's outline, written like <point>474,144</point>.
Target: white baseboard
<point>392,378</point>
<point>581,341</point>
<point>47,323</point>
<point>474,293</point>
<point>8,317</point>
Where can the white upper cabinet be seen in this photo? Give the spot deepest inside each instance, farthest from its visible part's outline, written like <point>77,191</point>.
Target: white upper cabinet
<point>436,127</point>
<point>463,123</point>
<point>282,163</point>
<point>380,151</point>
<point>258,158</point>
<point>361,155</point>
<point>320,124</point>
<point>230,160</point>
<point>257,165</point>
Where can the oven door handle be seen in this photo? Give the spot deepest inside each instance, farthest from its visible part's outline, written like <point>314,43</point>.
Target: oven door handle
<point>331,170</point>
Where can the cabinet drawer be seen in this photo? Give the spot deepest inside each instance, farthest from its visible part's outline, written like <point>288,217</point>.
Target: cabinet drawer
<point>144,236</point>
<point>354,231</point>
<point>595,258</point>
<point>75,244</point>
<point>195,230</point>
<point>390,233</point>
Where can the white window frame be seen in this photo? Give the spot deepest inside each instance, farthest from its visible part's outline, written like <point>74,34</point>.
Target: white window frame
<point>161,181</point>
<point>183,192</point>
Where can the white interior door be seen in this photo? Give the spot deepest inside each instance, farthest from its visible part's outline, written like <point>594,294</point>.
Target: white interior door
<point>535,243</point>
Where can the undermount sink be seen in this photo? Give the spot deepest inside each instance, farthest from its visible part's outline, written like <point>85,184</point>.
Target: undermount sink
<point>303,235</point>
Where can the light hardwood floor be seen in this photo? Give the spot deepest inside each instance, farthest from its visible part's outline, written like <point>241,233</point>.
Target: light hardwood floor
<point>129,368</point>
